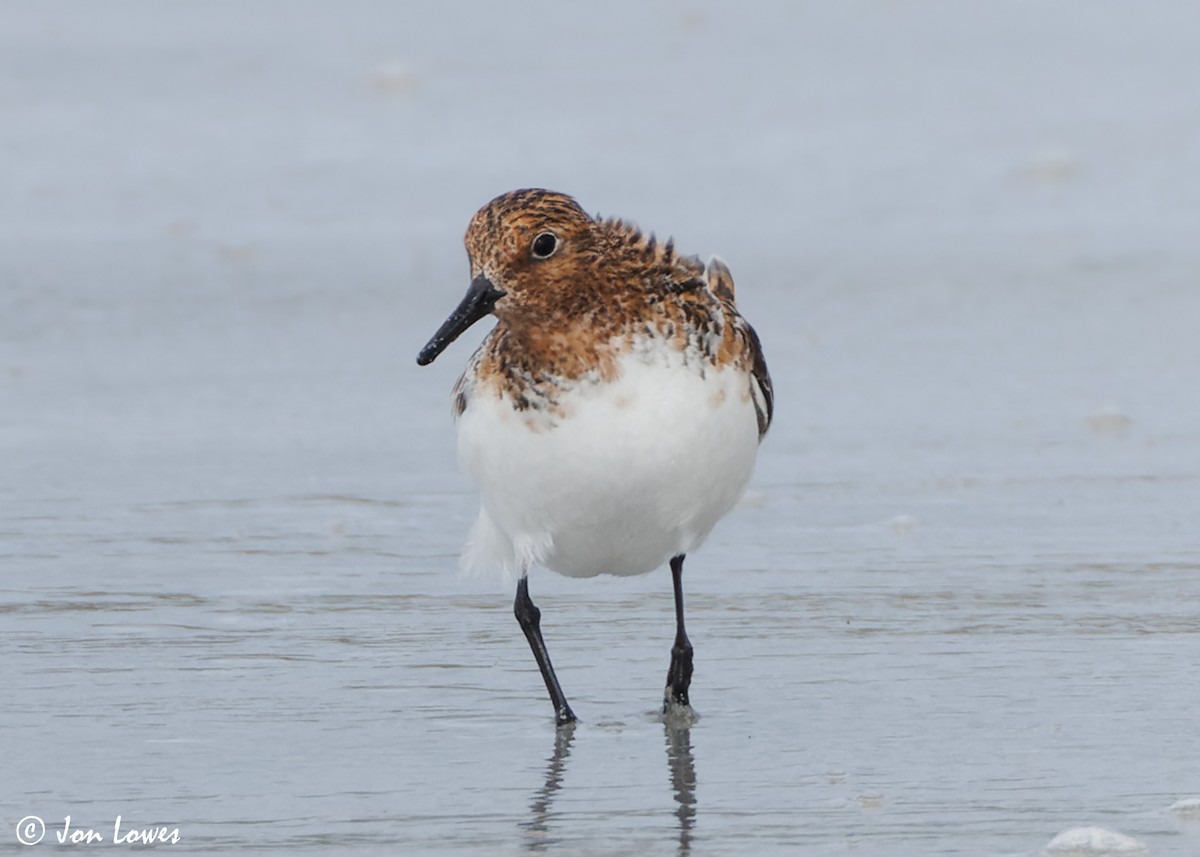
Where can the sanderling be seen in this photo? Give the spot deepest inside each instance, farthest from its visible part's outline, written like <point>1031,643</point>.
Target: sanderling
<point>613,414</point>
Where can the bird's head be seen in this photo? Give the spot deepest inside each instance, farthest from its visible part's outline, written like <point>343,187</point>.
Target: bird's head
<point>526,248</point>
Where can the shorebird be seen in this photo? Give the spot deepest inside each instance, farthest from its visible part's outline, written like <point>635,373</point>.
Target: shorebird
<point>613,414</point>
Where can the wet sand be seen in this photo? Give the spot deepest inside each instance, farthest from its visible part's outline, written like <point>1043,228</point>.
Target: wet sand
<point>956,613</point>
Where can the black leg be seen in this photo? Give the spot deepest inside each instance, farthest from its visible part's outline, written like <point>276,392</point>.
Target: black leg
<point>679,675</point>
<point>531,623</point>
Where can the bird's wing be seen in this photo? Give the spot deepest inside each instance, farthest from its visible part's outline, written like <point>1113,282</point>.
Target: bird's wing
<point>720,283</point>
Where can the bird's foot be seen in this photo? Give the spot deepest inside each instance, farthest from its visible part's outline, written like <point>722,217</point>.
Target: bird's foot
<point>677,715</point>
<point>677,708</point>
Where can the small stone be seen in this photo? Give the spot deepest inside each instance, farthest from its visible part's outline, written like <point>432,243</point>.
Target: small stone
<point>393,76</point>
<point>1109,423</point>
<point>1188,807</point>
<point>1053,166</point>
<point>1092,842</point>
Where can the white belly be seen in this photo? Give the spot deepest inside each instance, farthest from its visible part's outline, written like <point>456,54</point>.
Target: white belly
<point>638,471</point>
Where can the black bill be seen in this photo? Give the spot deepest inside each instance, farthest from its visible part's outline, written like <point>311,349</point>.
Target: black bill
<point>477,303</point>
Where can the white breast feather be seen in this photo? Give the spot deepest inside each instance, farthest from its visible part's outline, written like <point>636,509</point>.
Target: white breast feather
<point>637,471</point>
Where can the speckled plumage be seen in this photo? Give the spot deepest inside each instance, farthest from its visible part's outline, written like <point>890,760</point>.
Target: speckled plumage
<point>607,291</point>
<point>614,413</point>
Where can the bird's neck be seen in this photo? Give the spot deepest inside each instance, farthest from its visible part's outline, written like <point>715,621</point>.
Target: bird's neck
<point>556,344</point>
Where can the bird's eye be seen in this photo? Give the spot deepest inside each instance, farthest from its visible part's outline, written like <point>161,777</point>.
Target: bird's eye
<point>544,245</point>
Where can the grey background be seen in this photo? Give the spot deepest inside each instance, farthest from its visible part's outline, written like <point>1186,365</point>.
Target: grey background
<point>956,613</point>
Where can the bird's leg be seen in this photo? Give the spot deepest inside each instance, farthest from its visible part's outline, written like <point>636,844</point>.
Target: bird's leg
<point>530,619</point>
<point>679,675</point>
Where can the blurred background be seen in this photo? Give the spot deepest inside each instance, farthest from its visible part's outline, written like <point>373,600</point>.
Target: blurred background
<point>229,507</point>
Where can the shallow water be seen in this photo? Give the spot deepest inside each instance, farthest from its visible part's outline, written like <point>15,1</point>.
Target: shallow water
<point>957,612</point>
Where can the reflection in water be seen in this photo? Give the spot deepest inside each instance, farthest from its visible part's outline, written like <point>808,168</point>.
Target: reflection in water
<point>537,828</point>
<point>683,781</point>
<point>680,763</point>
